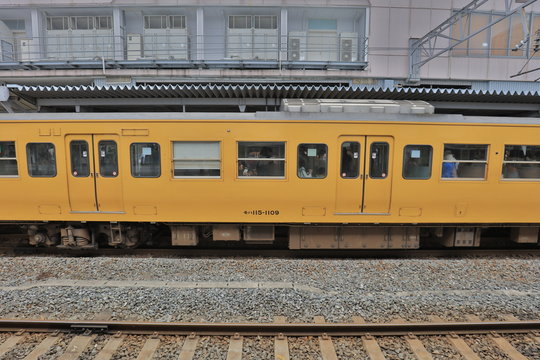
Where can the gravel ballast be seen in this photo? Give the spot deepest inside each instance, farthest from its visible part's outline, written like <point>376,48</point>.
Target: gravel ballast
<point>258,289</point>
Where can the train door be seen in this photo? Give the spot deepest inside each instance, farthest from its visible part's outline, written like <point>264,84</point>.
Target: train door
<point>364,183</point>
<point>93,178</point>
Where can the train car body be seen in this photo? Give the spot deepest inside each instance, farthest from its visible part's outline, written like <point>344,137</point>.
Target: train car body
<point>334,180</point>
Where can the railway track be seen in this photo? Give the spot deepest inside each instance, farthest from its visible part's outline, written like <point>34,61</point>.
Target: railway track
<point>107,339</point>
<point>270,253</point>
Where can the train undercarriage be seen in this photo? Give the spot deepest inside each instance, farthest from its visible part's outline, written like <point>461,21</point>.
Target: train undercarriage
<point>80,235</point>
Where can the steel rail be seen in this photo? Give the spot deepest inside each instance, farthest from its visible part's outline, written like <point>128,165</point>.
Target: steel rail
<point>275,253</point>
<point>273,329</point>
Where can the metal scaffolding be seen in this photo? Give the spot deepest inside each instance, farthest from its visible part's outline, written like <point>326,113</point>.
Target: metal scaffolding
<point>426,48</point>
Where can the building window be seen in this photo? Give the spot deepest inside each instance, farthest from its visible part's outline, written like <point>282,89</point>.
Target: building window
<point>350,160</point>
<point>378,160</point>
<point>41,159</point>
<point>196,159</point>
<point>261,159</point>
<point>498,40</point>
<point>322,24</point>
<point>265,22</point>
<point>58,23</point>
<point>8,159</point>
<point>417,162</point>
<point>145,160</point>
<point>464,161</point>
<point>79,22</point>
<point>240,22</point>
<point>312,161</point>
<point>521,162</point>
<point>164,22</point>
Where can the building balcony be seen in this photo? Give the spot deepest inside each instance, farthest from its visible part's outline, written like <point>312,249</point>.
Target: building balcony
<point>175,50</point>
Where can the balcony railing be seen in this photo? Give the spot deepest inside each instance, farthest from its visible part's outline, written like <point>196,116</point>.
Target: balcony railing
<point>184,51</point>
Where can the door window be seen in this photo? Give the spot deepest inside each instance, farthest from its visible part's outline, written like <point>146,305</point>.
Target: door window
<point>378,160</point>
<point>80,158</point>
<point>108,158</point>
<point>350,160</point>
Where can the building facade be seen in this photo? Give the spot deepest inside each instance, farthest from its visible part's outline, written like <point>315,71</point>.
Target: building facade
<point>290,42</point>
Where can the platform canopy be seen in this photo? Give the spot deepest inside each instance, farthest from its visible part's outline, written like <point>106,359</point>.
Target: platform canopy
<point>256,97</point>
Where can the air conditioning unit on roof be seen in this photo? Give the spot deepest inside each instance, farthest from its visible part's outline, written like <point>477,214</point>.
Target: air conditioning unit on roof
<point>348,47</point>
<point>297,46</point>
<point>134,46</point>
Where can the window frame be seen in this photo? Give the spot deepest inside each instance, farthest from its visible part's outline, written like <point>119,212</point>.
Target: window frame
<point>28,161</point>
<point>298,162</point>
<point>430,163</point>
<point>518,179</point>
<point>11,158</point>
<point>71,158</point>
<point>284,159</point>
<point>464,49</point>
<point>220,160</point>
<point>457,178</point>
<point>359,169</point>
<point>99,164</point>
<point>131,160</point>
<point>387,162</point>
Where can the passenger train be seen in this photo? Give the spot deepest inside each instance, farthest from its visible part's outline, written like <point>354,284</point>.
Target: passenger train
<point>324,174</point>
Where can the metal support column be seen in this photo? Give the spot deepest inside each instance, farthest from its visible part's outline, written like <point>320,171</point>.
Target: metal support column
<point>284,32</point>
<point>118,33</point>
<point>36,49</point>
<point>200,34</point>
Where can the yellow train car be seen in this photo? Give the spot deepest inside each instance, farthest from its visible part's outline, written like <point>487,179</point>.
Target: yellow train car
<point>347,180</point>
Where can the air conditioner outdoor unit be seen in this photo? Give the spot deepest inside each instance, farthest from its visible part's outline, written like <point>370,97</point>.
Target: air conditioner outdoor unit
<point>178,44</point>
<point>165,43</point>
<point>134,46</point>
<point>265,44</point>
<point>348,47</point>
<point>297,46</point>
<point>240,44</point>
<point>27,50</point>
<point>58,44</point>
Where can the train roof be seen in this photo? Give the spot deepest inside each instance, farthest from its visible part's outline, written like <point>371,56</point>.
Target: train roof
<point>269,116</point>
<point>303,110</point>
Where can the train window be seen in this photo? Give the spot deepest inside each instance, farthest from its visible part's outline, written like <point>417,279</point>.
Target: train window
<point>8,159</point>
<point>197,159</point>
<point>312,161</point>
<point>145,160</point>
<point>80,160</point>
<point>463,161</point>
<point>378,160</point>
<point>350,159</point>
<point>108,158</point>
<point>261,159</point>
<point>521,162</point>
<point>417,162</point>
<point>41,159</point>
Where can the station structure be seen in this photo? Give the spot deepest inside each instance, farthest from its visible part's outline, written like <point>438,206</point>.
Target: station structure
<point>462,56</point>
